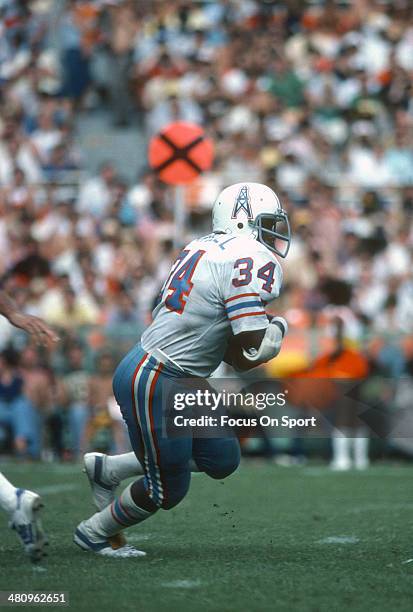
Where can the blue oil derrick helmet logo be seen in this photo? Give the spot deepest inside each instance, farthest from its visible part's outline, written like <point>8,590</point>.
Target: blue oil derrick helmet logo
<point>242,204</point>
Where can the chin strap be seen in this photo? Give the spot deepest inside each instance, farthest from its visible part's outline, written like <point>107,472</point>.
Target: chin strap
<point>271,343</point>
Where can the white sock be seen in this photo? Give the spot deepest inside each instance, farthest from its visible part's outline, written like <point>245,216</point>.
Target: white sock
<point>120,467</point>
<point>122,513</point>
<point>123,466</point>
<point>7,494</point>
<point>361,452</point>
<point>341,449</point>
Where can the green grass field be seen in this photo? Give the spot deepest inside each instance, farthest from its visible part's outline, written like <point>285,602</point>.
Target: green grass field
<point>269,538</point>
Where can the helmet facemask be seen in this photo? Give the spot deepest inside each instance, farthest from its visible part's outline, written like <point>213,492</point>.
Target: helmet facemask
<point>273,231</point>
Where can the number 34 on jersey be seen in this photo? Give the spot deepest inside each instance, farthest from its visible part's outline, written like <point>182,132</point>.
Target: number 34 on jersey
<point>245,272</point>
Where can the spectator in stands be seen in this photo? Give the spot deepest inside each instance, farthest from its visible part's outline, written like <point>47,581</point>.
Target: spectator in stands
<point>122,31</point>
<point>77,34</point>
<point>16,410</point>
<point>106,429</point>
<point>75,397</point>
<point>72,311</point>
<point>123,311</point>
<point>38,388</point>
<point>95,195</point>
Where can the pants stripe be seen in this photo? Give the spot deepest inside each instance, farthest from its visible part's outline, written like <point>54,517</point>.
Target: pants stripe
<point>135,401</point>
<point>153,456</point>
<point>135,412</point>
<point>150,421</point>
<point>144,382</point>
<point>141,402</point>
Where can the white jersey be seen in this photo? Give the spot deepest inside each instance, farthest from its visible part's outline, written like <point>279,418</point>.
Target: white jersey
<point>218,285</point>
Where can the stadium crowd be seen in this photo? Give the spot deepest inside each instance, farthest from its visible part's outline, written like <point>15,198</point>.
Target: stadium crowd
<point>313,99</point>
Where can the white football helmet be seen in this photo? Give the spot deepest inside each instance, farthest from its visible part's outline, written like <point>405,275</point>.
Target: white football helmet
<point>253,209</point>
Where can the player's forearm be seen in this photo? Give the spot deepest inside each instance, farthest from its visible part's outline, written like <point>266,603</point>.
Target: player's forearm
<point>32,325</point>
<point>8,307</point>
<point>252,349</point>
<point>234,355</point>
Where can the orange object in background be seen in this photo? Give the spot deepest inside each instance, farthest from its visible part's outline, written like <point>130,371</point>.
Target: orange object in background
<point>86,17</point>
<point>347,363</point>
<point>315,386</point>
<point>180,152</point>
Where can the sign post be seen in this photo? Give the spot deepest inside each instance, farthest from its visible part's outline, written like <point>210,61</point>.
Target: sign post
<point>179,215</point>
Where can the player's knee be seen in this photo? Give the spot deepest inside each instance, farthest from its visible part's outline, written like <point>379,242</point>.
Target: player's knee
<point>170,489</point>
<point>172,497</point>
<point>222,462</point>
<point>175,486</point>
<point>171,501</point>
<point>224,469</point>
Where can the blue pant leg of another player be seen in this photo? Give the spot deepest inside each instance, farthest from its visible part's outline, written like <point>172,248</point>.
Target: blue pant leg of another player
<point>6,415</point>
<point>78,417</point>
<point>217,457</point>
<point>25,422</point>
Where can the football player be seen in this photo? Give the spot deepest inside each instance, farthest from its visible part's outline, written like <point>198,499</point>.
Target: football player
<point>22,505</point>
<point>216,292</point>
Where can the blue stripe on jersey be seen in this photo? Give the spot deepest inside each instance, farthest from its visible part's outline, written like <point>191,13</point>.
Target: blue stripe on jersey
<point>251,304</point>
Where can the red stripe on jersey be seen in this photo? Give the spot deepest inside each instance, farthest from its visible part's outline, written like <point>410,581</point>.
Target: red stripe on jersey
<point>241,295</point>
<point>247,314</point>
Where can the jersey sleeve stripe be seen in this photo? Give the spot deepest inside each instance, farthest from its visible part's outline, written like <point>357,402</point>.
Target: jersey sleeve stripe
<point>241,295</point>
<point>250,304</point>
<point>247,314</point>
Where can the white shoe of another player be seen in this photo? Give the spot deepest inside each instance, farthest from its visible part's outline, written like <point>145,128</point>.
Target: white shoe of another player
<point>89,542</point>
<point>101,482</point>
<point>25,520</point>
<point>341,465</point>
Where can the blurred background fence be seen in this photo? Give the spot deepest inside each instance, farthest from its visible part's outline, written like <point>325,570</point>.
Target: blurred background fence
<point>62,403</point>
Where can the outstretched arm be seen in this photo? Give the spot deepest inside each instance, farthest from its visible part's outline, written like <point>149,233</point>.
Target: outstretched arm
<point>34,326</point>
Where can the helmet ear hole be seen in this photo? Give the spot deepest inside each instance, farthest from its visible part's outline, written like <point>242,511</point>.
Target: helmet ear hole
<point>240,225</point>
